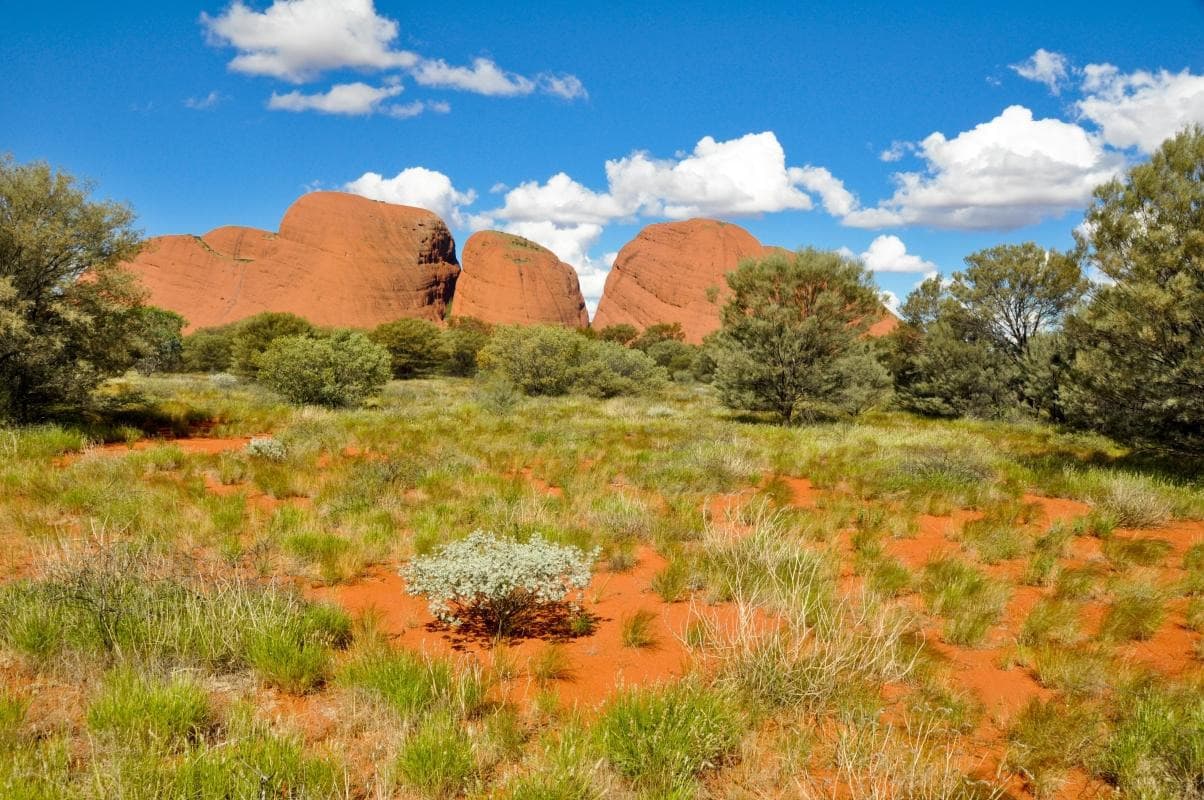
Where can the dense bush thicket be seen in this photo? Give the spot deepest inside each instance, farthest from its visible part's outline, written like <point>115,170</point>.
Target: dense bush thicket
<point>550,360</point>
<point>340,369</point>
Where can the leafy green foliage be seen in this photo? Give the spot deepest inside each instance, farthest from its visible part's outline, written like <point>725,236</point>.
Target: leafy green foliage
<point>208,350</point>
<point>415,347</point>
<point>1139,363</point>
<point>61,334</point>
<point>987,344</point>
<point>793,337</point>
<point>337,370</point>
<point>463,340</point>
<point>251,337</point>
<point>551,360</point>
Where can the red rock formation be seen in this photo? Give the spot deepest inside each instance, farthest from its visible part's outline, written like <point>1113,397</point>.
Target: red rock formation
<point>673,272</point>
<point>507,280</point>
<point>339,259</point>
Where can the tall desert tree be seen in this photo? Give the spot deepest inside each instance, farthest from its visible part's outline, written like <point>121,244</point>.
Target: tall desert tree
<point>793,339</point>
<point>1014,292</point>
<point>971,347</point>
<point>1139,363</point>
<point>68,312</point>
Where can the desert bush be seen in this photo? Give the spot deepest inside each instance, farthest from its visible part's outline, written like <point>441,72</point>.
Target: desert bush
<point>463,341</point>
<point>538,359</point>
<point>415,346</point>
<point>503,583</point>
<point>267,448</point>
<point>662,739</point>
<point>1075,670</point>
<point>438,760</point>
<point>551,360</point>
<point>607,369</point>
<point>338,370</point>
<point>250,338</point>
<point>208,350</point>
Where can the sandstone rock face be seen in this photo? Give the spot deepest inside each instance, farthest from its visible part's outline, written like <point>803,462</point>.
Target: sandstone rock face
<point>338,259</point>
<point>673,272</point>
<point>506,280</point>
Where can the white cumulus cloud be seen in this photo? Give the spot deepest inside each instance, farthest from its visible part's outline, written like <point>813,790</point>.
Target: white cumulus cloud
<point>887,253</point>
<point>1044,66</point>
<point>296,40</point>
<point>416,186</point>
<point>352,99</point>
<point>1011,171</point>
<point>1140,109</point>
<point>740,176</point>
<point>483,77</point>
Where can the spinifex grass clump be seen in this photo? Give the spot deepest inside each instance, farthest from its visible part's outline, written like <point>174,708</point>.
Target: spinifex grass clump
<point>502,584</point>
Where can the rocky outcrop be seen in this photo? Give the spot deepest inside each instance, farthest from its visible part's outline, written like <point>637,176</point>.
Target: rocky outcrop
<point>506,279</point>
<point>673,272</point>
<point>339,259</point>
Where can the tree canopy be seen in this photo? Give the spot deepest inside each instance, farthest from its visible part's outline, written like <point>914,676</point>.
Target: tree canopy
<point>68,312</point>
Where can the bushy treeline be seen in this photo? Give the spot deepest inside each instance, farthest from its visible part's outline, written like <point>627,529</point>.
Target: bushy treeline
<point>1021,331</point>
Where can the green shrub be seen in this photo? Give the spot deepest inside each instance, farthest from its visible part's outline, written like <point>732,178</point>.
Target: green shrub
<point>415,347</point>
<point>144,711</point>
<point>1074,670</point>
<point>607,369</point>
<point>438,760</point>
<point>537,359</point>
<point>662,739</point>
<point>251,338</point>
<point>500,582</point>
<point>338,370</point>
<point>208,350</point>
<point>463,341</point>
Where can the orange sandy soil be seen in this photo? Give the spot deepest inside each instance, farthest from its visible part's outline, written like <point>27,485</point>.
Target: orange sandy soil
<point>601,664</point>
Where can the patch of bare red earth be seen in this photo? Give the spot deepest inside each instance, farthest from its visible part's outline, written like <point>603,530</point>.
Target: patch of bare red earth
<point>600,664</point>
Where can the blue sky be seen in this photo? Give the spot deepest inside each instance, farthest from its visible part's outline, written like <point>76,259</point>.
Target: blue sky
<point>912,135</point>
